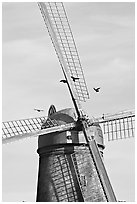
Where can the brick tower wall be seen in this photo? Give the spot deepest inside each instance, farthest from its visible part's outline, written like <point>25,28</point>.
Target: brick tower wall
<point>68,174</point>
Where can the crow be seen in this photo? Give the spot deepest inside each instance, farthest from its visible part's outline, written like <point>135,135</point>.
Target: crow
<point>74,78</point>
<point>63,81</point>
<point>96,89</point>
<point>38,110</point>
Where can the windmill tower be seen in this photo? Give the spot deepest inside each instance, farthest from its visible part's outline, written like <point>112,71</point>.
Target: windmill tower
<point>70,164</point>
<point>66,170</point>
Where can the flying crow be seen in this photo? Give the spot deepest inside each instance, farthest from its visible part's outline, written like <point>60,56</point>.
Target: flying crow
<point>74,78</point>
<point>96,89</point>
<point>63,81</point>
<point>38,110</point>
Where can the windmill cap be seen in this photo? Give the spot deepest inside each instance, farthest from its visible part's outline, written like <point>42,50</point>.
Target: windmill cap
<point>63,117</point>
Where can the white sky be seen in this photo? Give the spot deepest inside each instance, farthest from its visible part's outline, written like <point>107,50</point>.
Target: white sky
<point>104,35</point>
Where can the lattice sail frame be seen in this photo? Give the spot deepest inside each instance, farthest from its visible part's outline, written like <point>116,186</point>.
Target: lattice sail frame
<point>62,38</point>
<point>33,127</point>
<point>18,127</point>
<point>119,126</point>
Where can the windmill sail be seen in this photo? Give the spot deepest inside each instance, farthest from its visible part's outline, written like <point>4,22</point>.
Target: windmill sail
<point>61,35</point>
<point>119,126</point>
<point>25,128</point>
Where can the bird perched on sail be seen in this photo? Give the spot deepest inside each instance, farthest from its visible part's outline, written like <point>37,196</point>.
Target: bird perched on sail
<point>38,110</point>
<point>97,89</point>
<point>74,78</point>
<point>63,81</point>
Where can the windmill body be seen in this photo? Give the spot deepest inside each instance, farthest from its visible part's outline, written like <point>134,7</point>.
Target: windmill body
<point>66,170</point>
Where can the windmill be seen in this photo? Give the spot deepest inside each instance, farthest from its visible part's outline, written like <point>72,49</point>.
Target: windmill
<point>25,127</point>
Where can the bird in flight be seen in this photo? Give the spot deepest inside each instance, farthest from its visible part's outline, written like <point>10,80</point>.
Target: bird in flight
<point>38,110</point>
<point>63,81</point>
<point>74,78</point>
<point>97,89</point>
